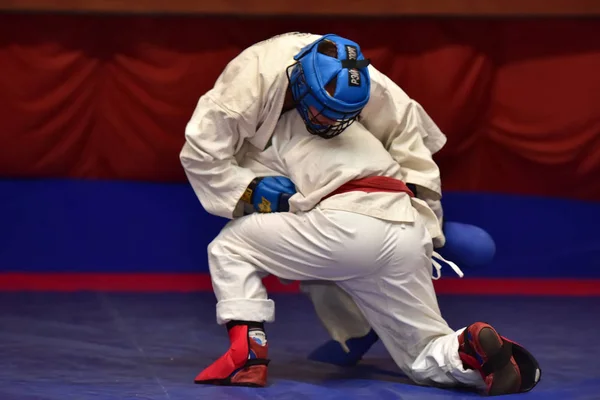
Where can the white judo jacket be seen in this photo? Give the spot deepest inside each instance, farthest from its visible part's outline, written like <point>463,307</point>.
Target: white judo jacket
<point>240,113</point>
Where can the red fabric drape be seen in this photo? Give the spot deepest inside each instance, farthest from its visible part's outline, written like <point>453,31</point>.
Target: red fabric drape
<point>109,96</point>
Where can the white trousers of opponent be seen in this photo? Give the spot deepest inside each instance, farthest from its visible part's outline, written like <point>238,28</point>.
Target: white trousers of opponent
<point>384,266</point>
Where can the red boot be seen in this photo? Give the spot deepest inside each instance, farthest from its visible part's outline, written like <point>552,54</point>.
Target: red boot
<point>505,366</point>
<point>245,363</point>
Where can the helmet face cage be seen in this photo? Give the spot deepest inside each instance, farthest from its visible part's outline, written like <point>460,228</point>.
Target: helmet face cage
<point>312,110</point>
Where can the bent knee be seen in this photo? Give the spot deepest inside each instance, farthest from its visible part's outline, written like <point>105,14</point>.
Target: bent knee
<point>219,247</point>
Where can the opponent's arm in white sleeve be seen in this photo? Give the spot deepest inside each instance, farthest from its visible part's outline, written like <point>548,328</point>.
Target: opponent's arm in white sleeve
<point>410,136</point>
<point>224,117</point>
<point>208,157</point>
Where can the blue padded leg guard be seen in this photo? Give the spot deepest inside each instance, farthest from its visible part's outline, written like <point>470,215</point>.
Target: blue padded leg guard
<point>467,245</point>
<point>332,352</point>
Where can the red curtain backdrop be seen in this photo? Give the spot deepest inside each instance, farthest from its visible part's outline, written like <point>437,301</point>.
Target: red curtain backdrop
<point>108,97</point>
<point>335,8</point>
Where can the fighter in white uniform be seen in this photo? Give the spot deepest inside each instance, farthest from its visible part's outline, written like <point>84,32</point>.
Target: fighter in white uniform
<point>376,245</point>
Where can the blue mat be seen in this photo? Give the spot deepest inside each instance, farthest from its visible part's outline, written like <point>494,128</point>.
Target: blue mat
<point>133,346</point>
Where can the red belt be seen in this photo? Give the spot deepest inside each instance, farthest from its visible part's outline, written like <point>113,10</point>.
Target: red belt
<point>373,184</point>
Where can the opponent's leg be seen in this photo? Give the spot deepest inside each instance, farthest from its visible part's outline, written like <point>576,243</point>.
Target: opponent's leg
<point>399,302</point>
<point>467,245</point>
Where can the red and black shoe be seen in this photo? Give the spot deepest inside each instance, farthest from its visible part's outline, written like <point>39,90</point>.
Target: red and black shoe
<point>245,363</point>
<point>505,366</point>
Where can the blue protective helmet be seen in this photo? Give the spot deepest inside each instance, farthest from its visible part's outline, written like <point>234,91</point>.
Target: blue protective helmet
<point>326,115</point>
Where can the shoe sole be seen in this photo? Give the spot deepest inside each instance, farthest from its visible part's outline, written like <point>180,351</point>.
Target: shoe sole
<point>250,376</point>
<point>506,379</point>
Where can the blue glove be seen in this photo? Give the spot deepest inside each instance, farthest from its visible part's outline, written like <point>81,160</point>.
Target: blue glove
<point>271,194</point>
<point>467,245</point>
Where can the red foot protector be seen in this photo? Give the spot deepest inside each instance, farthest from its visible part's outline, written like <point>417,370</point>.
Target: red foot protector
<point>244,364</point>
<point>505,366</point>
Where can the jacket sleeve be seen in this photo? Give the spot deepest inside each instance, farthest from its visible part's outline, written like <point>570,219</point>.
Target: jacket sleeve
<point>224,117</point>
<point>208,158</point>
<point>406,131</point>
<point>410,136</point>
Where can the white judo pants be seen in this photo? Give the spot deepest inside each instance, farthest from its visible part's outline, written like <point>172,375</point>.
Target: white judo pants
<point>385,267</point>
